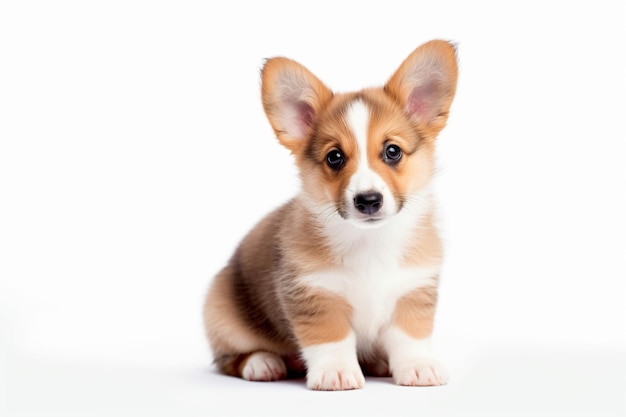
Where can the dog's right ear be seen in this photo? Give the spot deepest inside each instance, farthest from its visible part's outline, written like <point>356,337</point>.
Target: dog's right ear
<point>292,99</point>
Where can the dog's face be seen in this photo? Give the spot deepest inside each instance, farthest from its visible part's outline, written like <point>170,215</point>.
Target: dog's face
<point>363,155</point>
<point>364,158</point>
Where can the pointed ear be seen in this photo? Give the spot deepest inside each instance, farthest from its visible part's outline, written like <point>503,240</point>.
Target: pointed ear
<point>425,84</point>
<point>292,99</point>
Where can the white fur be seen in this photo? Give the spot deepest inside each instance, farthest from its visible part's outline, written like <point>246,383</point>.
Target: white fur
<point>357,117</point>
<point>365,179</point>
<point>264,366</point>
<point>412,361</point>
<point>371,275</point>
<point>333,366</point>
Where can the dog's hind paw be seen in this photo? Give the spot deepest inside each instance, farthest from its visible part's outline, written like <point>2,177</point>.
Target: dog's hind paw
<point>264,366</point>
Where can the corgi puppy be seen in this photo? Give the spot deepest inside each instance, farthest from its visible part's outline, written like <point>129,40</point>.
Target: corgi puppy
<point>341,281</point>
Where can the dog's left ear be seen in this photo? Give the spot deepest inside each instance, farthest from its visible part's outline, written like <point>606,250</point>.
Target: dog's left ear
<point>425,84</point>
<point>292,98</point>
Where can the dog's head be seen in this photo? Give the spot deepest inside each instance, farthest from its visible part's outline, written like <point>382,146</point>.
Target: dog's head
<point>363,155</point>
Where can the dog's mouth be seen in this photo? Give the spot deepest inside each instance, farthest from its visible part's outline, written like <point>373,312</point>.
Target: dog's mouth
<point>369,222</point>
<point>360,218</point>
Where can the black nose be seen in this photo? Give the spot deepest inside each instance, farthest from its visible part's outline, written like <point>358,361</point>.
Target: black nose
<point>368,203</point>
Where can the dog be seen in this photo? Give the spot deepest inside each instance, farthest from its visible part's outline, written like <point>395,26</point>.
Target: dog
<point>341,281</point>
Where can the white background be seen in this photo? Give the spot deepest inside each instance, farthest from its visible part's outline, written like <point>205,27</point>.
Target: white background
<point>134,155</point>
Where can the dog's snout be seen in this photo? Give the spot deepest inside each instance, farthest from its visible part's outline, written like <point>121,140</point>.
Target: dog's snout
<point>368,203</point>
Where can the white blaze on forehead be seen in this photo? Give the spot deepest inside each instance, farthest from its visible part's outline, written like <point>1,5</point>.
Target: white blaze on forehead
<point>364,179</point>
<point>358,116</point>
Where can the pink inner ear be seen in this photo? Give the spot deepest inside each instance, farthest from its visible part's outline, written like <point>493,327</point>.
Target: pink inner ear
<point>296,118</point>
<point>423,102</point>
<point>305,115</point>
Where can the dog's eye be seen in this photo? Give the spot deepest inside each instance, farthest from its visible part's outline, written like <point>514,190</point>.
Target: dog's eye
<point>392,154</point>
<point>335,159</point>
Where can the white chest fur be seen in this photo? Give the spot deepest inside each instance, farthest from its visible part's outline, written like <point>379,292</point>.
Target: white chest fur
<point>373,294</point>
<point>372,275</point>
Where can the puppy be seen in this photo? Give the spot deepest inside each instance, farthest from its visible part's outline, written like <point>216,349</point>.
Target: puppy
<point>342,280</point>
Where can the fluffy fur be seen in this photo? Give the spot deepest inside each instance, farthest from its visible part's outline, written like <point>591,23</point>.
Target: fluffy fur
<point>342,279</point>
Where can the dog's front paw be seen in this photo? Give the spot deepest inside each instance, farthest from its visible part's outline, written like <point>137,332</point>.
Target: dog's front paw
<point>421,372</point>
<point>333,366</point>
<point>335,379</point>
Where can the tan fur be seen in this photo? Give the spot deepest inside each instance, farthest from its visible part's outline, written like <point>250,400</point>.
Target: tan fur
<point>257,303</point>
<point>319,317</point>
<point>415,312</point>
<point>229,331</point>
<point>332,132</point>
<point>425,248</point>
<point>412,173</point>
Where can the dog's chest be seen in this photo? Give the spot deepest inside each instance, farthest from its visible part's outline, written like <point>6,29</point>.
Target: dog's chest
<point>372,276</point>
<point>373,289</point>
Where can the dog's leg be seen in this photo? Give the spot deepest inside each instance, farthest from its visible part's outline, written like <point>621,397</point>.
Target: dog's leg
<point>333,366</point>
<point>407,341</point>
<point>322,325</point>
<point>238,349</point>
